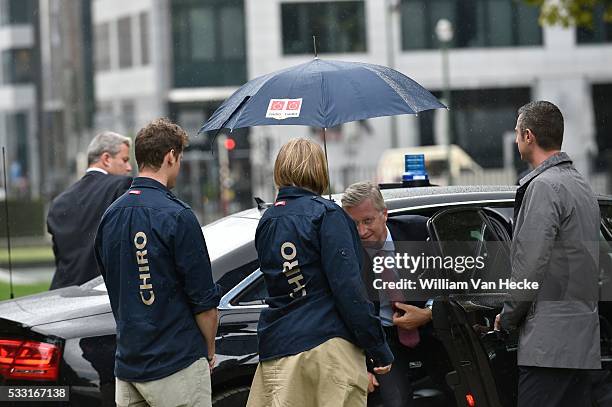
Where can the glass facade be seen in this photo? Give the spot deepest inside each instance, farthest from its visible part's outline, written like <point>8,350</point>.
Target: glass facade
<point>124,33</point>
<point>600,32</point>
<point>476,23</point>
<point>602,103</point>
<point>480,119</point>
<point>17,66</point>
<point>209,43</point>
<point>102,48</point>
<point>340,27</point>
<point>16,12</point>
<point>145,58</point>
<point>18,173</point>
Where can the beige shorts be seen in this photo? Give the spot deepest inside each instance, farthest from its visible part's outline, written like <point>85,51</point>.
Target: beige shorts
<point>332,374</point>
<point>189,387</point>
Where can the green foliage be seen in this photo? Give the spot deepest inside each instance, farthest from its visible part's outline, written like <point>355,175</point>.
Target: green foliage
<point>580,13</point>
<point>26,218</point>
<point>21,290</point>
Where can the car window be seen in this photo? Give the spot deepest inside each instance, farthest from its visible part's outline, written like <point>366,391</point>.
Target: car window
<point>469,232</point>
<point>605,254</point>
<point>254,294</point>
<point>606,217</point>
<point>231,278</point>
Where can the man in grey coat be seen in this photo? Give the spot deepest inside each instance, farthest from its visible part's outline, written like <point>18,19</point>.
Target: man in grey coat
<point>555,242</point>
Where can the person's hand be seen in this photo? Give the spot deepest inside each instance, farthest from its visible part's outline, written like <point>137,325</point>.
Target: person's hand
<point>212,361</point>
<point>372,382</point>
<point>412,317</point>
<point>497,324</point>
<point>382,370</point>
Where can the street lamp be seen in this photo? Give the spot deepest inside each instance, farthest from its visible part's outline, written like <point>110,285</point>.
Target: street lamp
<point>444,32</point>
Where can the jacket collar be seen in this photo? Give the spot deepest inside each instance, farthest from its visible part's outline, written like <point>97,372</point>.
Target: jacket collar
<point>293,192</point>
<point>146,182</point>
<point>552,161</point>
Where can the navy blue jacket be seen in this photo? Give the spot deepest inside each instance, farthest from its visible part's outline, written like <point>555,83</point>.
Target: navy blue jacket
<point>153,257</point>
<point>310,255</point>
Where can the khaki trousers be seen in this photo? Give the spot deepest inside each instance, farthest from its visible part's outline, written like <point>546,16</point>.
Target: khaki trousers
<point>189,387</point>
<point>331,375</point>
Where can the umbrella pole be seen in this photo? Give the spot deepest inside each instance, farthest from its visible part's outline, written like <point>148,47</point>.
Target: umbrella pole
<point>327,163</point>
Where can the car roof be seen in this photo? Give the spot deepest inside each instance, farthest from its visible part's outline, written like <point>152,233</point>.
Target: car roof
<point>402,198</point>
<point>413,198</point>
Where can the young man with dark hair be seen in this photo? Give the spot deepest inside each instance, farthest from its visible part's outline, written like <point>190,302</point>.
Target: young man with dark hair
<point>555,243</point>
<point>153,257</point>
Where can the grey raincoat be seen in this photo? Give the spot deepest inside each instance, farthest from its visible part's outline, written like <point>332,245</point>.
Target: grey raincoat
<point>555,243</point>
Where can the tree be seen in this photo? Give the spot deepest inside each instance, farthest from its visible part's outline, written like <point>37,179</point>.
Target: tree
<point>580,13</point>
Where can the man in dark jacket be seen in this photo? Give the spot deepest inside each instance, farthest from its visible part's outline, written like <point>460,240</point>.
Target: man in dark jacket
<point>74,215</point>
<point>555,243</point>
<point>380,236</point>
<point>151,252</point>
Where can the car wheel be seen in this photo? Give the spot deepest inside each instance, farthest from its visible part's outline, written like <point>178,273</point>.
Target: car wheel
<point>232,398</point>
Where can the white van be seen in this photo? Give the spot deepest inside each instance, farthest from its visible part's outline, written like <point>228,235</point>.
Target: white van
<point>391,164</point>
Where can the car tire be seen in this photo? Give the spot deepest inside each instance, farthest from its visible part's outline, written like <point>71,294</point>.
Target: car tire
<point>232,398</point>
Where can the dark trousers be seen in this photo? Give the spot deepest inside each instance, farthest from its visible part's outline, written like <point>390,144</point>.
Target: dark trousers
<point>550,387</point>
<point>394,389</point>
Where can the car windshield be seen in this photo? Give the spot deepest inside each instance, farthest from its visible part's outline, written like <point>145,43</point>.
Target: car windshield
<point>229,233</point>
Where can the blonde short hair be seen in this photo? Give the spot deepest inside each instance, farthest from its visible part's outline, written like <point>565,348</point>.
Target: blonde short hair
<point>301,163</point>
<point>358,192</point>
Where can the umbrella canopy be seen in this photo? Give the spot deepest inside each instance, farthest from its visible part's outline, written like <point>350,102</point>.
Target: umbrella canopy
<point>322,93</point>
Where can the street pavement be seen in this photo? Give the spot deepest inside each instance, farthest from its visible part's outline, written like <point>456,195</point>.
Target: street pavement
<point>28,275</point>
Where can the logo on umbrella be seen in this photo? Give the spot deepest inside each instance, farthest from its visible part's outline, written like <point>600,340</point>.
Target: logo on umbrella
<point>277,105</point>
<point>280,109</point>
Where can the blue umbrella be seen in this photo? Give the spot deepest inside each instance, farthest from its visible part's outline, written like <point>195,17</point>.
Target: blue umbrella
<point>322,93</point>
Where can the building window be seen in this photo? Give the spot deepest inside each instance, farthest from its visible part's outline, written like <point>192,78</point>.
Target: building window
<point>481,118</point>
<point>476,23</point>
<point>128,115</point>
<point>601,31</point>
<point>102,47</point>
<point>16,12</point>
<point>209,38</point>
<point>17,66</point>
<point>124,33</point>
<point>17,128</point>
<point>144,39</point>
<point>340,27</point>
<point>602,104</point>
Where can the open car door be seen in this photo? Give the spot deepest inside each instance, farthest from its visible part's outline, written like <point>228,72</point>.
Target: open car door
<point>484,360</point>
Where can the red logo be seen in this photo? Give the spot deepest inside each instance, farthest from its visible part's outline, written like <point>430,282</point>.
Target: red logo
<point>134,192</point>
<point>293,105</point>
<point>277,105</point>
<point>280,203</point>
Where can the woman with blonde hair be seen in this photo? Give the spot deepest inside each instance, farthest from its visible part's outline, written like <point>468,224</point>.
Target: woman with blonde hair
<point>319,327</point>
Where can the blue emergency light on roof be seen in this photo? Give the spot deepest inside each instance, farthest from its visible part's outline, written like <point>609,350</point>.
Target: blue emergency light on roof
<point>414,168</point>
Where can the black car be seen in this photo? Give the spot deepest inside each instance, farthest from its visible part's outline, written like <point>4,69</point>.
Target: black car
<point>67,336</point>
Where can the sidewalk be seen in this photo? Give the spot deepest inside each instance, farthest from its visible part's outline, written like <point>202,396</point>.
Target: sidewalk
<point>27,276</point>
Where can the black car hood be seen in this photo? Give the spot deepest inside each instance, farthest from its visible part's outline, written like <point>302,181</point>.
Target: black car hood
<point>57,305</point>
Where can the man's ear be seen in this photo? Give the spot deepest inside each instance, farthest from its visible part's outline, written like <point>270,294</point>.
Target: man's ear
<point>105,159</point>
<point>529,136</point>
<point>169,158</point>
<point>384,212</point>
